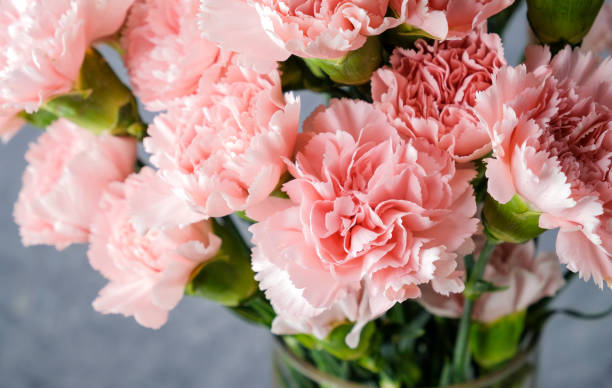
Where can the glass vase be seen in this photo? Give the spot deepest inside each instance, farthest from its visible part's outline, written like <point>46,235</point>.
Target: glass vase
<point>291,371</point>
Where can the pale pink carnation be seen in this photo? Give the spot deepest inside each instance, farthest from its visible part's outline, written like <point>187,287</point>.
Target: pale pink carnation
<point>43,43</point>
<point>9,126</point>
<point>147,272</point>
<point>69,169</point>
<point>430,92</point>
<point>261,30</point>
<point>444,19</point>
<point>165,53</point>
<point>370,218</point>
<point>551,125</point>
<point>599,38</point>
<point>221,150</point>
<point>528,278</point>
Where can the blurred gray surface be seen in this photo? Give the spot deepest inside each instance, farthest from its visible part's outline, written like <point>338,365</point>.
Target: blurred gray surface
<point>51,337</point>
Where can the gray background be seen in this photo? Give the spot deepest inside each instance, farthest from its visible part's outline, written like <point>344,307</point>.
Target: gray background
<point>51,337</point>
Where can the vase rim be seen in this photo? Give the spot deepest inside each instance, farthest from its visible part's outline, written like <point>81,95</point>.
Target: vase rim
<point>310,371</point>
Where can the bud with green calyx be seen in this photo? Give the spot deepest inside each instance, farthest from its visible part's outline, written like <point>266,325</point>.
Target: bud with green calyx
<point>355,68</point>
<point>513,222</point>
<point>335,343</point>
<point>228,278</point>
<point>99,102</point>
<point>561,22</point>
<point>496,342</point>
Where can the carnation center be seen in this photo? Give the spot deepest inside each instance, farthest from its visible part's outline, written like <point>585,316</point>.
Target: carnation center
<point>580,136</point>
<point>133,252</point>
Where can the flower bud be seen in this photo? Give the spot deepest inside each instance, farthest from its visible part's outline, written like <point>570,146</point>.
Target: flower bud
<point>355,68</point>
<point>562,21</point>
<point>99,102</point>
<point>512,222</point>
<point>496,342</point>
<point>227,278</point>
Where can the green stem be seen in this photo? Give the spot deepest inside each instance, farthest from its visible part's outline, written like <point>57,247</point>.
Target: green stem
<point>461,357</point>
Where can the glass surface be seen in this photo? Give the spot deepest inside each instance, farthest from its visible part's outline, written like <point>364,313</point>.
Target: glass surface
<point>290,371</point>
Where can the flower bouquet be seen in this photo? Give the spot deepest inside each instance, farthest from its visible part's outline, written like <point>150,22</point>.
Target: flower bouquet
<point>392,234</point>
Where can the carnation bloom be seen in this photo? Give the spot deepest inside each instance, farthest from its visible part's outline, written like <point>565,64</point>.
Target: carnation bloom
<point>599,38</point>
<point>69,169</point>
<point>268,29</point>
<point>165,53</point>
<point>221,150</point>
<point>430,92</point>
<point>447,18</point>
<point>147,272</point>
<point>9,126</point>
<point>43,43</point>
<point>528,279</point>
<point>370,218</point>
<point>551,125</point>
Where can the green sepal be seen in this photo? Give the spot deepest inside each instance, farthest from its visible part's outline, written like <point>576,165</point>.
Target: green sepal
<point>405,35</point>
<point>494,343</point>
<point>562,21</point>
<point>41,118</point>
<point>99,102</point>
<point>513,222</point>
<point>228,278</point>
<point>335,343</point>
<point>355,68</point>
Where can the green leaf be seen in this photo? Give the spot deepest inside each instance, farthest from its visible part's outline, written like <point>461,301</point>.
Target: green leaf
<point>228,278</point>
<point>335,343</point>
<point>562,21</point>
<point>40,118</point>
<point>355,68</point>
<point>481,286</point>
<point>496,342</point>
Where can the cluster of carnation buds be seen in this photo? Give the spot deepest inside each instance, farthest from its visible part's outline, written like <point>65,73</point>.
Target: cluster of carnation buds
<point>430,145</point>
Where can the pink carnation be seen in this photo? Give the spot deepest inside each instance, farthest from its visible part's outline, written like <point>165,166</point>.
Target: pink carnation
<point>221,150</point>
<point>370,218</point>
<point>599,38</point>
<point>551,125</point>
<point>165,53</point>
<point>69,169</point>
<point>9,126</point>
<point>43,43</point>
<point>430,92</point>
<point>528,279</point>
<point>261,30</point>
<point>147,272</point>
<point>448,18</point>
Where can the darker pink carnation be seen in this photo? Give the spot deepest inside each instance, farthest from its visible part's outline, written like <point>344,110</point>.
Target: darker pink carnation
<point>551,125</point>
<point>370,218</point>
<point>221,150</point>
<point>147,272</point>
<point>261,30</point>
<point>448,18</point>
<point>69,169</point>
<point>528,278</point>
<point>429,92</point>
<point>43,43</point>
<point>165,53</point>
